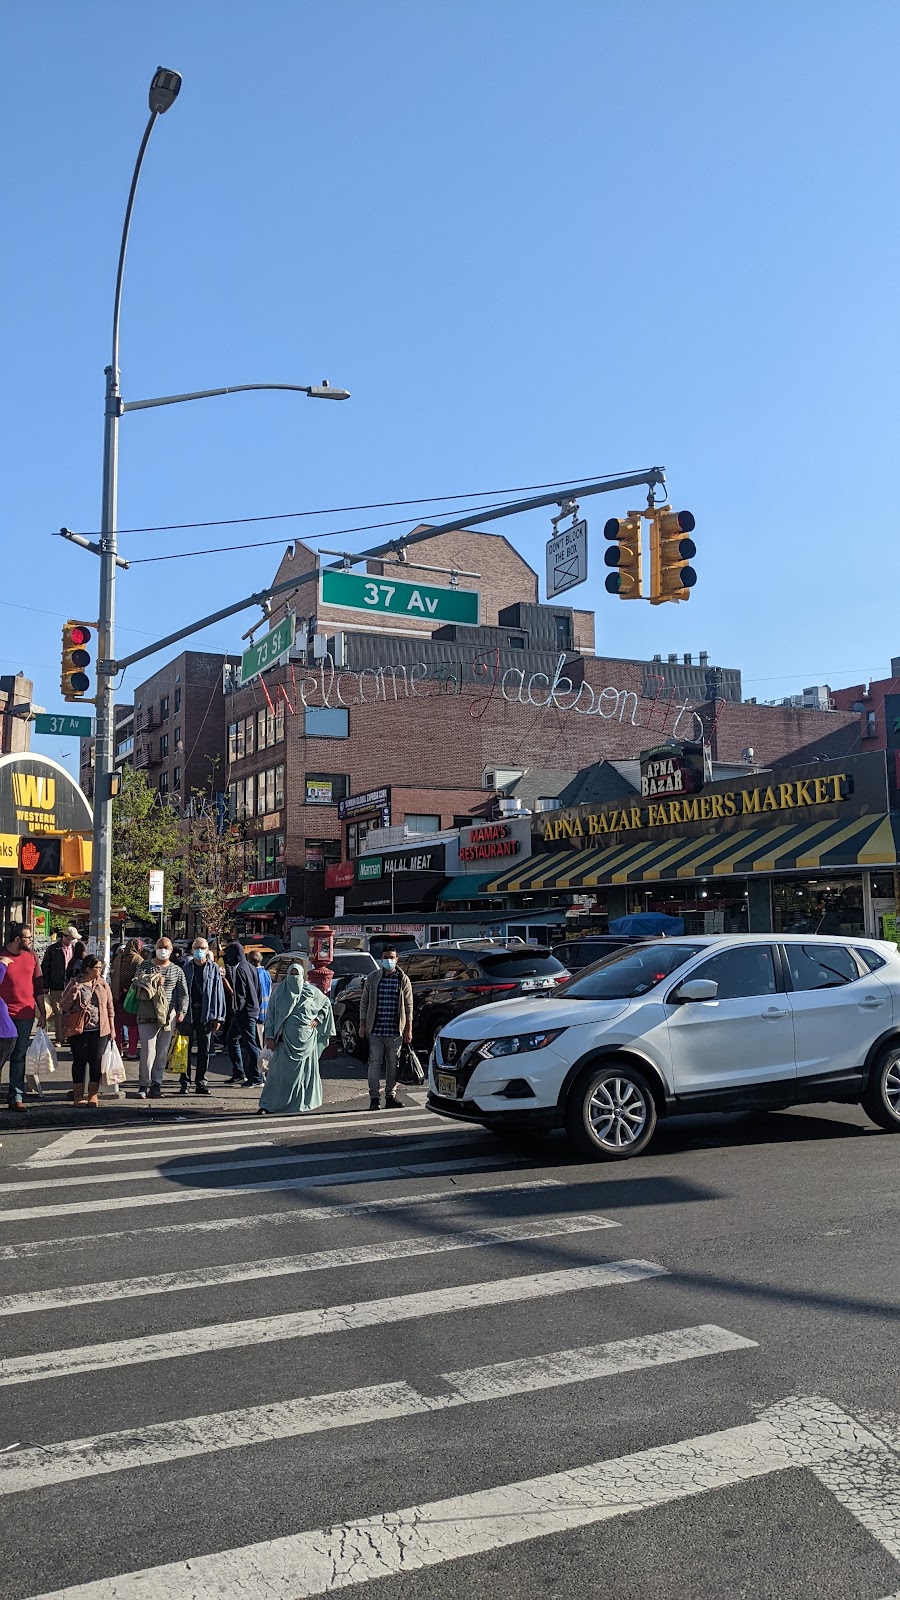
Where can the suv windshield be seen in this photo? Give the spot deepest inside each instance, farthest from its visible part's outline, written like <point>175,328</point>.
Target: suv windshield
<point>519,964</point>
<point>631,972</point>
<point>351,963</point>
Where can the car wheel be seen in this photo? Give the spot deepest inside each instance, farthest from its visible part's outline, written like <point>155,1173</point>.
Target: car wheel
<point>881,1100</point>
<point>611,1113</point>
<point>349,1036</point>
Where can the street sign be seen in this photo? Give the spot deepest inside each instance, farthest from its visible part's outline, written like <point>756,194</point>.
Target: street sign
<point>155,899</point>
<point>267,651</point>
<point>67,727</point>
<point>430,602</point>
<point>567,560</point>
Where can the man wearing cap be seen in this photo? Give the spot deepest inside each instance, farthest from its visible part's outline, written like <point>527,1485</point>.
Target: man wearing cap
<point>55,973</point>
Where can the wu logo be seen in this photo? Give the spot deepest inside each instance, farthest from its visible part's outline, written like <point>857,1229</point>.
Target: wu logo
<point>34,792</point>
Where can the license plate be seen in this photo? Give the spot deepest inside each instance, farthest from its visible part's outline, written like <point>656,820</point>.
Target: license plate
<point>446,1083</point>
<point>535,983</point>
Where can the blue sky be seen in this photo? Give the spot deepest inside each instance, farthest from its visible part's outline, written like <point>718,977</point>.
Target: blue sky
<point>536,241</point>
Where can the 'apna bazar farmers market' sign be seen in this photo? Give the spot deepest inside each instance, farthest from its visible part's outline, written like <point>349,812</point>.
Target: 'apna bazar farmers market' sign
<point>757,801</point>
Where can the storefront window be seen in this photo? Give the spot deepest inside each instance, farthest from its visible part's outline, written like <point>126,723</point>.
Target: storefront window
<point>708,906</point>
<point>818,905</point>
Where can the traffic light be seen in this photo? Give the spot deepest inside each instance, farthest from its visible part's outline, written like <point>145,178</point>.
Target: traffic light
<point>40,857</point>
<point>74,681</point>
<point>671,575</point>
<point>624,556</point>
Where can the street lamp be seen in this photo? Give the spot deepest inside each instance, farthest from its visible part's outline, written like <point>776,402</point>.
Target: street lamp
<point>164,90</point>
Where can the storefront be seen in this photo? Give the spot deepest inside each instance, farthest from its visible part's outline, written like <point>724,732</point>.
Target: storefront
<point>805,849</point>
<point>45,832</point>
<point>399,880</point>
<point>261,912</point>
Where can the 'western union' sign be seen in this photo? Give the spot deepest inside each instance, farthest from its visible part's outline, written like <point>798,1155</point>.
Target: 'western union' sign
<point>701,808</point>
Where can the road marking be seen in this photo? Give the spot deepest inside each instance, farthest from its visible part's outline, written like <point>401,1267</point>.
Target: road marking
<point>75,1459</point>
<point>797,1433</point>
<point>253,1331</point>
<point>226,1191</point>
<point>352,1208</point>
<point>360,1255</point>
<point>162,1175</point>
<point>226,1139</point>
<point>867,1484</point>
<point>60,1148</point>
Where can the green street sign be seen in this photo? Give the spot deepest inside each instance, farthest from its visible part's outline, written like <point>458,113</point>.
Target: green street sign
<point>431,602</point>
<point>368,867</point>
<point>68,727</point>
<point>266,651</point>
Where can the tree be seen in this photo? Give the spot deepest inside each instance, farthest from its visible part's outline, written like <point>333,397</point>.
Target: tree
<point>213,866</point>
<point>146,838</point>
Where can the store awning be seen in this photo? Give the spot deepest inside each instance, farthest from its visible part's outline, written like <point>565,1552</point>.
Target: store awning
<point>263,902</point>
<point>864,842</point>
<point>469,886</point>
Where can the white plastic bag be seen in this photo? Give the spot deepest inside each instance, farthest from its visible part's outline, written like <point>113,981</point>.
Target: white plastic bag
<point>113,1068</point>
<point>41,1054</point>
<point>265,1056</point>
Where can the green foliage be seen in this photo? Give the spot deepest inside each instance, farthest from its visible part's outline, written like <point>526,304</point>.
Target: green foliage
<point>146,838</point>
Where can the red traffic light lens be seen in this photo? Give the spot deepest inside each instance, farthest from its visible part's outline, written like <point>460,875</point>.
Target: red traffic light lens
<point>80,635</point>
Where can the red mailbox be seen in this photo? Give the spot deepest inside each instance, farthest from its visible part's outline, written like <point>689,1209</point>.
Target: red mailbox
<point>321,950</point>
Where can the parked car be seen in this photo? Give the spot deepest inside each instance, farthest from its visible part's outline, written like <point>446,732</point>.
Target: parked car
<point>448,980</point>
<point>345,964</point>
<point>689,1024</point>
<point>379,942</point>
<point>578,953</point>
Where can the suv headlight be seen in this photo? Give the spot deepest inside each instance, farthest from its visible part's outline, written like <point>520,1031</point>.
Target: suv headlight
<point>517,1044</point>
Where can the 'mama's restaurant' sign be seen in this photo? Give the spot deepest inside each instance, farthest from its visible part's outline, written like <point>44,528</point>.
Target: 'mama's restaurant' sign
<point>850,788</point>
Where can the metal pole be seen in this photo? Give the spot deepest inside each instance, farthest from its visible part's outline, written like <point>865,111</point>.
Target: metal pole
<point>104,753</point>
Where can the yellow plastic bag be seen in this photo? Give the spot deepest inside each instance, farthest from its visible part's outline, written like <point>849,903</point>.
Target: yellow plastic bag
<point>178,1055</point>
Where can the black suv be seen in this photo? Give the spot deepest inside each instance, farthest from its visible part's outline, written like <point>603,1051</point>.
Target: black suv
<point>448,980</point>
<point>578,953</point>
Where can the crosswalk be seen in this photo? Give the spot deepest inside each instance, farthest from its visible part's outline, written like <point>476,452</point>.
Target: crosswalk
<point>400,1331</point>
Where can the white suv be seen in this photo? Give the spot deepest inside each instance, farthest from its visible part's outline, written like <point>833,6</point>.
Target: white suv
<point>682,1024</point>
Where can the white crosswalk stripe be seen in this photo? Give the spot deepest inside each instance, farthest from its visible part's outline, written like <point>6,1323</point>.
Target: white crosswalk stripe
<point>322,1320</point>
<point>795,1434</point>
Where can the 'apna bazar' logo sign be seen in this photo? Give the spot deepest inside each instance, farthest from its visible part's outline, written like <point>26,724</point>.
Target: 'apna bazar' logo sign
<point>701,808</point>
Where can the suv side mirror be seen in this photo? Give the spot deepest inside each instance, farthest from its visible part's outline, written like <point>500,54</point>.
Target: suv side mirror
<point>694,989</point>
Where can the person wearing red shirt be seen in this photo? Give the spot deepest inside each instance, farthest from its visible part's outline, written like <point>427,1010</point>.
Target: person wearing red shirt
<point>22,990</point>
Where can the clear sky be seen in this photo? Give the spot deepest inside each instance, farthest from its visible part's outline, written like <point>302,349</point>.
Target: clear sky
<point>537,241</point>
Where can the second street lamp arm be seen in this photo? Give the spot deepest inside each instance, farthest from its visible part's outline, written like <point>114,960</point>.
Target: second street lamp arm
<point>315,391</point>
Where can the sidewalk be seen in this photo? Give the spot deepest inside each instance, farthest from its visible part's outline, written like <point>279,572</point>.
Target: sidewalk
<point>343,1085</point>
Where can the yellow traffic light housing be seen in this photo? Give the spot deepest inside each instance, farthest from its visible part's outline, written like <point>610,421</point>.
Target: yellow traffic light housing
<point>624,556</point>
<point>74,681</point>
<point>671,575</point>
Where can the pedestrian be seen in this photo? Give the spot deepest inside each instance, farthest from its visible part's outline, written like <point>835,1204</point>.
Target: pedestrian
<point>121,976</point>
<point>88,1021</point>
<point>299,1025</point>
<point>265,990</point>
<point>385,1015</point>
<point>78,952</point>
<point>242,1041</point>
<point>8,1034</point>
<point>162,1002</point>
<point>55,974</point>
<point>206,1012</point>
<point>22,989</point>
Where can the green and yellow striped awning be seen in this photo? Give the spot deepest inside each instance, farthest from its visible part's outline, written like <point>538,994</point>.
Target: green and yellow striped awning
<point>864,842</point>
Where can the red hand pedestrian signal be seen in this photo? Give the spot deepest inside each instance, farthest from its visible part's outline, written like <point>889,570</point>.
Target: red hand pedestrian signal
<point>31,855</point>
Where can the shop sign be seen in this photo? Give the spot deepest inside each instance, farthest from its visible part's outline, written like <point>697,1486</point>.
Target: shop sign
<point>367,867</point>
<point>415,861</point>
<point>339,875</point>
<point>373,801</point>
<point>38,795</point>
<point>267,886</point>
<point>493,841</point>
<point>671,769</point>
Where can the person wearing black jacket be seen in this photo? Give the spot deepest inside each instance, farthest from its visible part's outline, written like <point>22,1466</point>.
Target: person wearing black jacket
<point>56,972</point>
<point>241,1040</point>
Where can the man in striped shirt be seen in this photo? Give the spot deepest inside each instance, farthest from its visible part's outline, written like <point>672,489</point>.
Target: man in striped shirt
<point>385,1015</point>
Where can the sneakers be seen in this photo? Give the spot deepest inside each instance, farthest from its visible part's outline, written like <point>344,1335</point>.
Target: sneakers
<point>392,1103</point>
<point>200,1088</point>
<point>142,1094</point>
<point>374,1103</point>
<point>254,1083</point>
<point>155,1091</point>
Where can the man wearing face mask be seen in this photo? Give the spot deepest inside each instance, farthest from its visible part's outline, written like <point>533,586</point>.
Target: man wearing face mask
<point>162,1002</point>
<point>205,1013</point>
<point>385,1015</point>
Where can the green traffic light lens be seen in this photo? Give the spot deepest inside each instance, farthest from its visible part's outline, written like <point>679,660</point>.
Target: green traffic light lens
<point>612,583</point>
<point>79,683</point>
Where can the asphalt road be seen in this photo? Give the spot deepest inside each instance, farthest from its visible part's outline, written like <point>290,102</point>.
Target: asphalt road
<point>273,1359</point>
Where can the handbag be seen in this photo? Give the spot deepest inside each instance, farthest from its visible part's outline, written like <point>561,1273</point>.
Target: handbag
<point>409,1067</point>
<point>130,1003</point>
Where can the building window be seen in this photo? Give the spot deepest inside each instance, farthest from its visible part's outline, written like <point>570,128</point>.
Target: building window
<point>422,822</point>
<point>163,746</point>
<point>176,777</point>
<point>249,736</point>
<point>321,853</point>
<point>177,737</point>
<point>563,633</point>
<point>125,747</point>
<point>261,741</point>
<point>325,788</point>
<point>514,641</point>
<point>232,742</point>
<point>177,701</point>
<point>164,708</point>
<point>325,722</point>
<point>870,731</point>
<point>279,788</point>
<point>357,835</point>
<point>164,783</point>
<point>279,721</point>
<point>239,740</point>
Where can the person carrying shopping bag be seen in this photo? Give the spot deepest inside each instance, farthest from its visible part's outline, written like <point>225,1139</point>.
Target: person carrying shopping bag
<point>88,1024</point>
<point>299,1025</point>
<point>121,976</point>
<point>162,1003</point>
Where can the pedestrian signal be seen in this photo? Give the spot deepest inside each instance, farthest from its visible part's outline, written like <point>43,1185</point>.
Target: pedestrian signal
<point>625,556</point>
<point>40,857</point>
<point>74,681</point>
<point>671,575</point>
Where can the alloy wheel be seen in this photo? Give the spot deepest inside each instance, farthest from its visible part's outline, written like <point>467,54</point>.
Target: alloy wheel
<point>617,1112</point>
<point>349,1036</point>
<point>892,1087</point>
